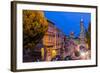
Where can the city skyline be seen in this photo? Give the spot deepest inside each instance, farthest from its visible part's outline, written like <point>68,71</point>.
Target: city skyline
<point>65,20</point>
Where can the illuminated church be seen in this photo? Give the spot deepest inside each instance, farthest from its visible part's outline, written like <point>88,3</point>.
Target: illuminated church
<point>82,32</point>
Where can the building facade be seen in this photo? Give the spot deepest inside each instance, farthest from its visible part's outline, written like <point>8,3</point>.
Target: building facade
<point>53,41</point>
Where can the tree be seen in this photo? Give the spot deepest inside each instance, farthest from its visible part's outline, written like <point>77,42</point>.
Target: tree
<point>88,35</point>
<point>34,27</point>
<point>89,31</point>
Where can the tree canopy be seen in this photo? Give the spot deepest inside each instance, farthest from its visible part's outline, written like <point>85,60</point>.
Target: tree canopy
<point>88,35</point>
<point>34,27</point>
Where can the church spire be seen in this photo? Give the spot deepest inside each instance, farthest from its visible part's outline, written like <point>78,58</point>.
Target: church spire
<point>81,19</point>
<point>82,30</point>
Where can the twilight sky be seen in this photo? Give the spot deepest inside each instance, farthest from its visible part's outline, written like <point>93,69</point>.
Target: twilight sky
<point>68,21</point>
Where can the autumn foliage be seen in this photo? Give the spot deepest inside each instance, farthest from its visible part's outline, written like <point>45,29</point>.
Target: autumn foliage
<point>34,27</point>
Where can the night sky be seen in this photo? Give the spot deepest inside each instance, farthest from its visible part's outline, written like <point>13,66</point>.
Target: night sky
<point>68,21</point>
